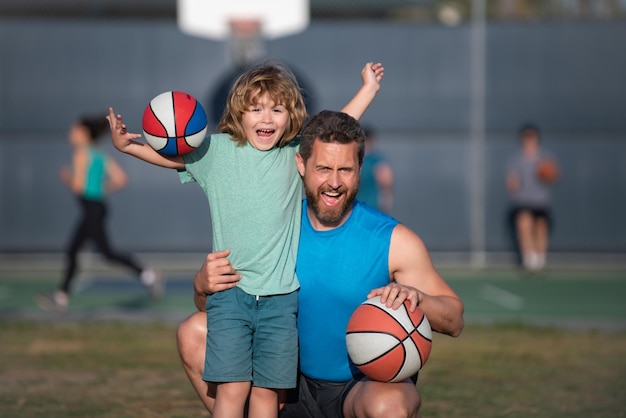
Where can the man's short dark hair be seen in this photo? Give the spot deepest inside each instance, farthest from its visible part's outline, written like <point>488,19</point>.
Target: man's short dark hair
<point>332,127</point>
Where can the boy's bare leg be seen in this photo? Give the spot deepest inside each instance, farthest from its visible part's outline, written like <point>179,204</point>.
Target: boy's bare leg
<point>263,403</point>
<point>230,399</point>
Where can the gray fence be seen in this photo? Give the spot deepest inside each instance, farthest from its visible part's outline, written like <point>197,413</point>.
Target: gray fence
<point>566,77</point>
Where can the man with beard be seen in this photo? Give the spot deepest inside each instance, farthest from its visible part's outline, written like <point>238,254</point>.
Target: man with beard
<point>348,252</point>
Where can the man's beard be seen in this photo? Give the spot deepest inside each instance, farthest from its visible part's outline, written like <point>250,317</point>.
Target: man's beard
<point>331,216</point>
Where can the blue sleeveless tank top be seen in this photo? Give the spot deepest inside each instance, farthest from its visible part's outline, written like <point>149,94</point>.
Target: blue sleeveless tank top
<point>337,269</point>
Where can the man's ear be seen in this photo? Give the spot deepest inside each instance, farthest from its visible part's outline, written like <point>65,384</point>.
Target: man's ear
<point>300,164</point>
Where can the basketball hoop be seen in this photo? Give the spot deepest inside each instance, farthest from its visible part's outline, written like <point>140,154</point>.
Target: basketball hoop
<point>246,25</point>
<point>247,44</point>
<point>212,19</point>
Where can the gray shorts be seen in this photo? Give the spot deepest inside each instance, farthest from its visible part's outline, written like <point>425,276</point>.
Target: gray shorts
<point>316,399</point>
<point>319,398</point>
<point>252,338</point>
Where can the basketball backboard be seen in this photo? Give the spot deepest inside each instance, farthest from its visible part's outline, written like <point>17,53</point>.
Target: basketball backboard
<point>214,19</point>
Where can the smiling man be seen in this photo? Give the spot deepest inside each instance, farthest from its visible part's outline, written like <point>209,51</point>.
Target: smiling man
<point>332,158</point>
<point>348,252</point>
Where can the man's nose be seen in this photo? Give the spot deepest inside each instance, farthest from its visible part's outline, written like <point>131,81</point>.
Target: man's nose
<point>334,180</point>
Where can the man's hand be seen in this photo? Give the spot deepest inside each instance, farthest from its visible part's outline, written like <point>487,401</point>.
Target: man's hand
<point>394,295</point>
<point>215,275</point>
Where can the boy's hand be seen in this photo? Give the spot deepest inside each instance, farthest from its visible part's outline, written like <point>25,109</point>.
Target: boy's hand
<point>372,74</point>
<point>120,136</point>
<point>125,142</point>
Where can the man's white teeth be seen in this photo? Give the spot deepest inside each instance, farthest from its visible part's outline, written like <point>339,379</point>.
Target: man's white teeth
<point>332,194</point>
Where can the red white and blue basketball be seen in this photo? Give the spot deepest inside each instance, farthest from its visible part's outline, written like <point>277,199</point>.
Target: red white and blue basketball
<point>174,123</point>
<point>388,345</point>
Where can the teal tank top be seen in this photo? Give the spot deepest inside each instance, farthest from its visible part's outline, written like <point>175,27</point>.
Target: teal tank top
<point>368,187</point>
<point>95,181</point>
<point>337,269</point>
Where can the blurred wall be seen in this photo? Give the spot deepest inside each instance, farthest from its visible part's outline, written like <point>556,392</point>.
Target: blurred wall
<point>566,77</point>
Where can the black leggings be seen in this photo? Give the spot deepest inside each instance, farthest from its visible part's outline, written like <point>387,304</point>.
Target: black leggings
<point>91,227</point>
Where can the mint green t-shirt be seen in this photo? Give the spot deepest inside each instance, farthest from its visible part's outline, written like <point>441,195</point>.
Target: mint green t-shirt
<point>255,200</point>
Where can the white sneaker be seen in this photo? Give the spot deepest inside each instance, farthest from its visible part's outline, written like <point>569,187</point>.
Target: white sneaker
<point>531,261</point>
<point>541,261</point>
<point>155,283</point>
<point>57,302</point>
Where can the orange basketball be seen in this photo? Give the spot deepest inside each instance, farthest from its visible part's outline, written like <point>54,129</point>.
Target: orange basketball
<point>547,170</point>
<point>388,345</point>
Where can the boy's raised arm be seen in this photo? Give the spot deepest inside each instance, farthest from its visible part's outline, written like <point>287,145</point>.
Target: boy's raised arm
<point>125,142</point>
<point>371,74</point>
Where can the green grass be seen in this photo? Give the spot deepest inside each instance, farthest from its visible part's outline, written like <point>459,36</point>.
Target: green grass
<point>133,370</point>
<point>93,369</point>
<point>521,371</point>
<point>79,366</point>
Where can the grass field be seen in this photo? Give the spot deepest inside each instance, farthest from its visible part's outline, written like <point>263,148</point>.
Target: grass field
<point>552,345</point>
<point>92,370</point>
<point>519,371</point>
<point>132,370</point>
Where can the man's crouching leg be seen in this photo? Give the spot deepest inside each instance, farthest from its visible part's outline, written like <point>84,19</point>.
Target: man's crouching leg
<point>191,340</point>
<point>376,399</point>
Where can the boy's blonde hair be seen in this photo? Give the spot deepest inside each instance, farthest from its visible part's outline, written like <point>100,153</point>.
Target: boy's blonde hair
<point>281,86</point>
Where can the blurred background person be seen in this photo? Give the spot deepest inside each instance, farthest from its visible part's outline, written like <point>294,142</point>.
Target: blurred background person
<point>530,175</point>
<point>376,176</point>
<point>92,176</point>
